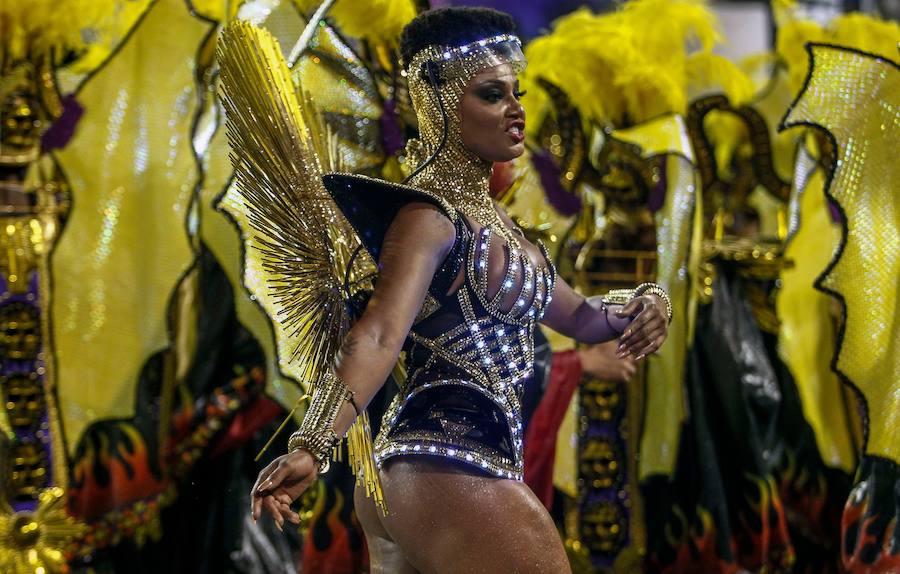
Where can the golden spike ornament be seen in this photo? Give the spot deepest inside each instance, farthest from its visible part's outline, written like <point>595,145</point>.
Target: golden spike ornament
<point>312,260</point>
<point>37,541</point>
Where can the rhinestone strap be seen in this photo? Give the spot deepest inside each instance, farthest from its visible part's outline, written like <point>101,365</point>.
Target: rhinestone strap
<point>618,296</point>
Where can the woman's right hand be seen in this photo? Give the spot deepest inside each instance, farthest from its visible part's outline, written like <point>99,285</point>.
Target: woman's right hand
<point>280,484</point>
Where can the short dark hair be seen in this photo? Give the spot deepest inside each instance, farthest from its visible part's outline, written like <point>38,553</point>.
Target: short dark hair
<point>453,26</point>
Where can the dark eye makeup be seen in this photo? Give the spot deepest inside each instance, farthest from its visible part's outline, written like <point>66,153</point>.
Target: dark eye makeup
<point>494,91</point>
<point>489,94</point>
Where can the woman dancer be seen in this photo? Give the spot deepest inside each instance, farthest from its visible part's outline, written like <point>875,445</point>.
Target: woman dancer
<point>459,291</point>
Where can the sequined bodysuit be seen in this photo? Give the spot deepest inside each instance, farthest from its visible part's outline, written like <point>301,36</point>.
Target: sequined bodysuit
<point>470,351</point>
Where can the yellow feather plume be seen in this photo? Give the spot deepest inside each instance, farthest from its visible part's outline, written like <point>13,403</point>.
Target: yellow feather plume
<point>711,72</point>
<point>379,21</point>
<point>668,27</point>
<point>634,64</point>
<point>789,44</point>
<point>34,28</point>
<point>863,32</point>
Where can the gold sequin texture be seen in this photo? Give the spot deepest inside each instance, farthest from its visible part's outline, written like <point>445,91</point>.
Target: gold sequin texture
<point>855,97</point>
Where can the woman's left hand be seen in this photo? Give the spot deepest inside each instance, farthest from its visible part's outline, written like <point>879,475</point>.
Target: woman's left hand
<point>647,331</point>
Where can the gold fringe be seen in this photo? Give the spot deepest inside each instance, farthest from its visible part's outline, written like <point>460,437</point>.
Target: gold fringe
<point>362,459</point>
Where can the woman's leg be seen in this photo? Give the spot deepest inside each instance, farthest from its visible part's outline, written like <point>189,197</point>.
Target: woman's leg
<point>445,519</point>
<point>385,556</point>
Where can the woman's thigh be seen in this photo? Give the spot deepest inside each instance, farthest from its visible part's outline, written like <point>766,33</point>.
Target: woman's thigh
<point>385,555</point>
<point>445,519</point>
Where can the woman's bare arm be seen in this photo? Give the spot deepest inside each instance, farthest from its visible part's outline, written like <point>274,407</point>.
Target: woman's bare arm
<point>578,317</point>
<point>644,319</point>
<point>415,245</point>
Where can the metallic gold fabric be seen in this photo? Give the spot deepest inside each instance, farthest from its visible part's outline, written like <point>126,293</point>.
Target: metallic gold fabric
<point>856,98</point>
<point>346,97</point>
<point>103,39</point>
<point>675,228</point>
<point>565,462</point>
<point>124,247</point>
<point>806,336</point>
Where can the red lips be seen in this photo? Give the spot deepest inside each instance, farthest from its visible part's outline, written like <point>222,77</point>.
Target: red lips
<point>516,131</point>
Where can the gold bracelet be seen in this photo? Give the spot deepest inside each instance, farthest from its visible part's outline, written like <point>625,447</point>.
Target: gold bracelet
<point>320,445</point>
<point>316,433</point>
<point>654,289</point>
<point>618,296</point>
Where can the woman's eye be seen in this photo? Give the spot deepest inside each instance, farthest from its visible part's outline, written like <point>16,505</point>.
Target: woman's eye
<point>492,96</point>
<point>518,94</point>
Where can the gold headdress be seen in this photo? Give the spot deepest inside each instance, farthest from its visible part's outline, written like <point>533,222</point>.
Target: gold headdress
<point>437,77</point>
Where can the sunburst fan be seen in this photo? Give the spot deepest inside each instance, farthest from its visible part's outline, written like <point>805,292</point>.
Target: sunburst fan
<point>278,150</point>
<point>312,261</point>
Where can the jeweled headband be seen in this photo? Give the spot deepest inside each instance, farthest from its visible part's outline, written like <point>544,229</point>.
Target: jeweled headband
<point>470,58</point>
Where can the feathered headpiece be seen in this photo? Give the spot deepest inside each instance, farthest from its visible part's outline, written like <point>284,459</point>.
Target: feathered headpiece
<point>37,27</point>
<point>631,65</point>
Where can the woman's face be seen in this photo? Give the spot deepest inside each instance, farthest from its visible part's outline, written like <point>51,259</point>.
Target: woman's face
<point>492,121</point>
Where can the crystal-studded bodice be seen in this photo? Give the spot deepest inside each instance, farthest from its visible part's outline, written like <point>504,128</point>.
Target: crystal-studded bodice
<point>472,347</point>
<point>467,360</point>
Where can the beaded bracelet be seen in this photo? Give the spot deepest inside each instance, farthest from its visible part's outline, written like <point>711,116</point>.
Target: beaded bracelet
<point>316,433</point>
<point>654,289</point>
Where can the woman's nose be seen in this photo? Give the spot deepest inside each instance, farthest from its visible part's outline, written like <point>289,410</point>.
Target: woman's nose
<point>516,110</point>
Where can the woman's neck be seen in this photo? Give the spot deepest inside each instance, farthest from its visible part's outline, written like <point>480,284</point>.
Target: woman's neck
<point>463,179</point>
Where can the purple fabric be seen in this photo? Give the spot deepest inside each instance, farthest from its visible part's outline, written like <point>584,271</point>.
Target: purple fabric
<point>835,211</point>
<point>531,17</point>
<point>391,131</point>
<point>560,199</point>
<point>62,130</point>
<point>657,196</point>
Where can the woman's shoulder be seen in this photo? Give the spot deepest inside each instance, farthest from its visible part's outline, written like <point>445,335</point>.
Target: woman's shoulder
<point>422,224</point>
<point>387,195</point>
<point>372,206</point>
